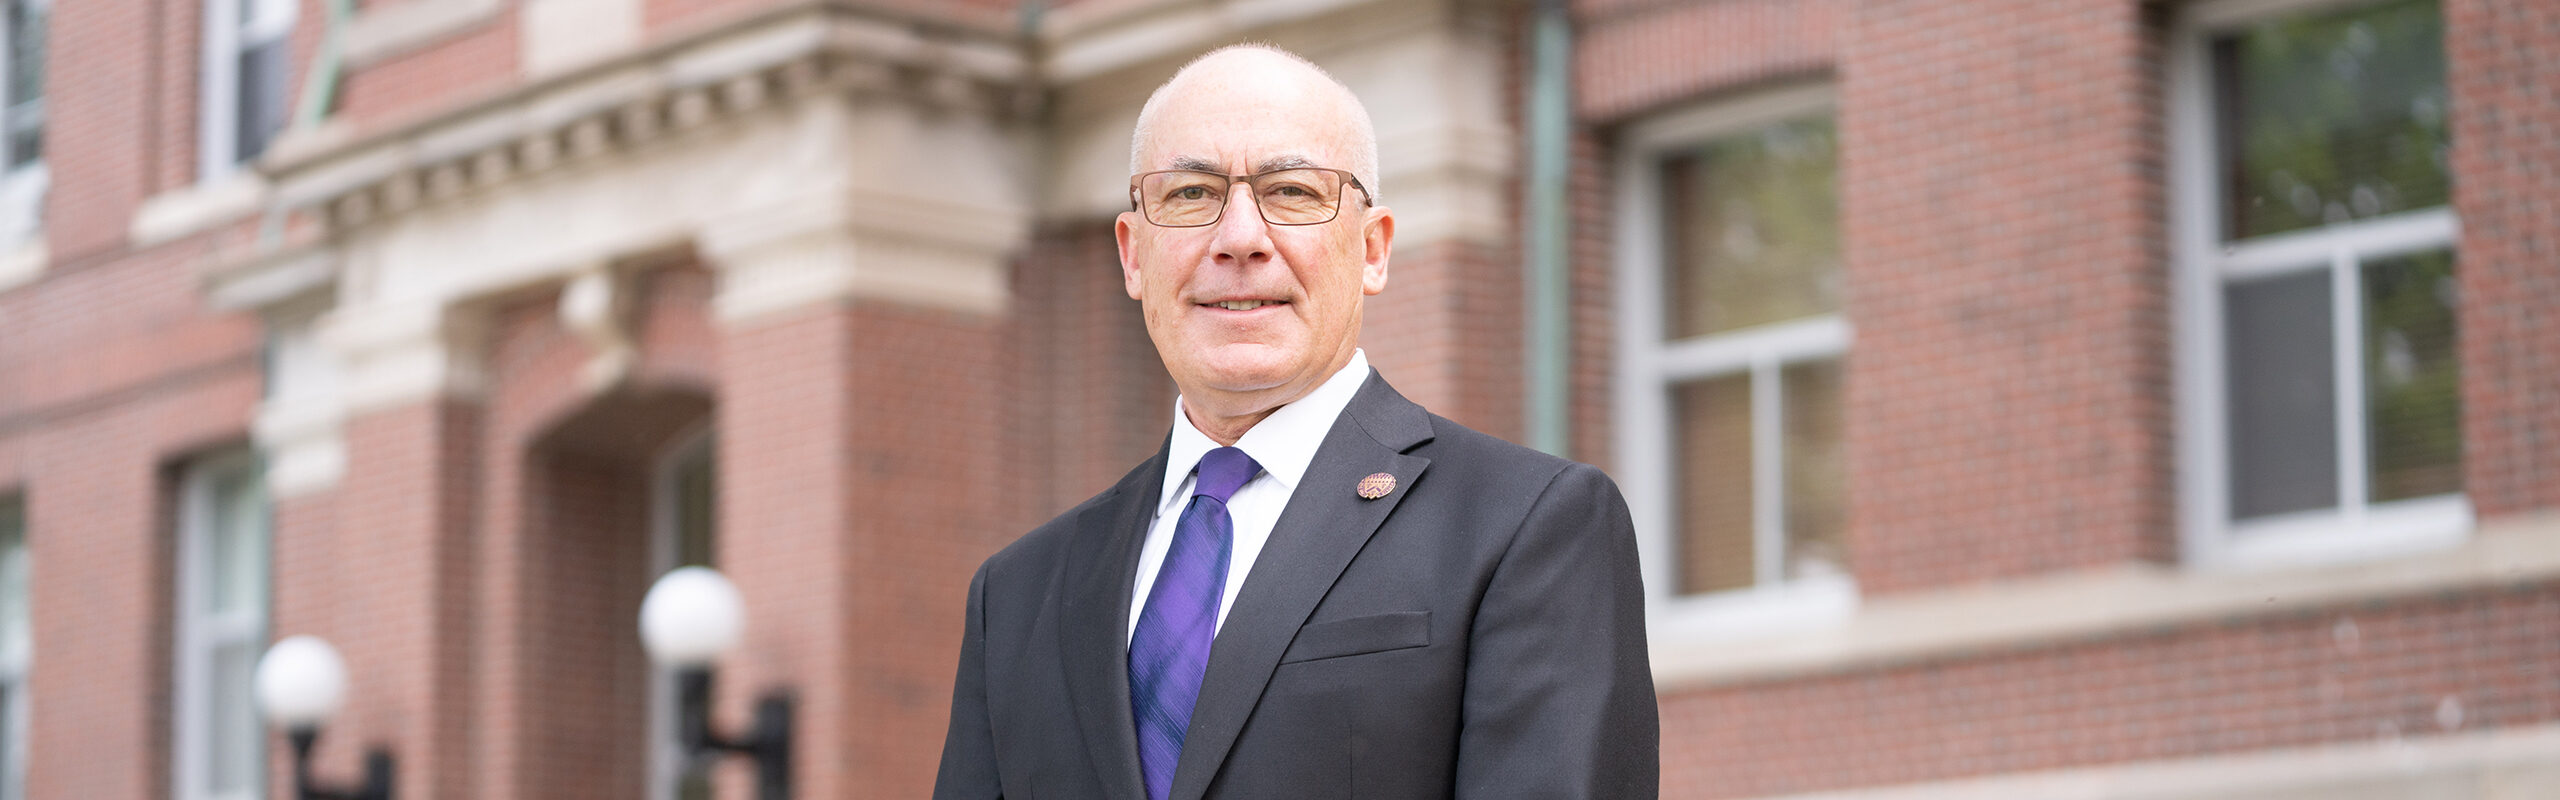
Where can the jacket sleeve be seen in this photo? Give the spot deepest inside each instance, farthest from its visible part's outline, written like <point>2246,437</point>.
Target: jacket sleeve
<point>1559,698</point>
<point>969,748</point>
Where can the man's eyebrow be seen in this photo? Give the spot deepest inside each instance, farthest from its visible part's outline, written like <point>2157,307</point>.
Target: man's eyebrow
<point>1196,163</point>
<point>1283,162</point>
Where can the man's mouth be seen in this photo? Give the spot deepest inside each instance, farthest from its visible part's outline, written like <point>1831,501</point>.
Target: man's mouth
<point>1244,305</point>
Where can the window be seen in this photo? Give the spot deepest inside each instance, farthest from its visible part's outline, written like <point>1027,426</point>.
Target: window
<point>15,648</point>
<point>686,523</point>
<point>22,171</point>
<point>2319,401</point>
<point>222,628</point>
<point>1732,344</point>
<point>247,61</point>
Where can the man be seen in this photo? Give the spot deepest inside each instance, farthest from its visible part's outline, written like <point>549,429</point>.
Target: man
<point>1316,589</point>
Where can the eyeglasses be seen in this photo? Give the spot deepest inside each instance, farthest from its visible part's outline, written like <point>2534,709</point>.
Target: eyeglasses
<point>1190,198</point>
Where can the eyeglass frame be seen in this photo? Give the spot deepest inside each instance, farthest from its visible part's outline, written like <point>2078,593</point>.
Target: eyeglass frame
<point>1350,180</point>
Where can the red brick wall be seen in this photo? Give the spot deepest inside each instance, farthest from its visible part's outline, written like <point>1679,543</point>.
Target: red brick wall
<point>2009,408</point>
<point>2506,161</point>
<point>859,487</point>
<point>1636,55</point>
<point>388,581</point>
<point>1086,398</point>
<point>96,120</point>
<point>2353,675</point>
<point>476,63</point>
<point>100,489</point>
<point>1447,332</point>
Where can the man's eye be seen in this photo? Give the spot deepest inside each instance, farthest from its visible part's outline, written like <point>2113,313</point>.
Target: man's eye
<point>1191,193</point>
<point>1292,190</point>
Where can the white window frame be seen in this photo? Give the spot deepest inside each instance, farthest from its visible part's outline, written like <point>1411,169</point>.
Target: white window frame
<point>2356,529</point>
<point>1648,367</point>
<point>200,632</point>
<point>218,99</point>
<point>17,649</point>
<point>22,187</point>
<point>666,754</point>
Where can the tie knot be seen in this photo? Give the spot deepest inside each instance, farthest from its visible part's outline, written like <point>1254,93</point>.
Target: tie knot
<point>1223,471</point>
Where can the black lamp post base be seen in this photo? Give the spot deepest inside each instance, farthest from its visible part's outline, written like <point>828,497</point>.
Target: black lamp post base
<point>377,772</point>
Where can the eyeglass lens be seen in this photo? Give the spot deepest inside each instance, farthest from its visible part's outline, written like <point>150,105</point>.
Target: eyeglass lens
<point>1184,198</point>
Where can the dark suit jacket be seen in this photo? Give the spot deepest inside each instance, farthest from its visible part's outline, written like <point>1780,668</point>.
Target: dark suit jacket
<point>1478,632</point>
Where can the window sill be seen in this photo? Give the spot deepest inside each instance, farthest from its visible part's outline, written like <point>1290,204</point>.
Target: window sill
<point>2329,536</point>
<point>180,213</point>
<point>2101,603</point>
<point>21,264</point>
<point>1758,612</point>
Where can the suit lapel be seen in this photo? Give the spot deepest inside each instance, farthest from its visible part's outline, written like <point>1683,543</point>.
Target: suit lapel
<point>1323,527</point>
<point>1093,633</point>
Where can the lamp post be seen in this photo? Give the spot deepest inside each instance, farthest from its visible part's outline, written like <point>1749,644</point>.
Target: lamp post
<point>301,682</point>
<point>689,618</point>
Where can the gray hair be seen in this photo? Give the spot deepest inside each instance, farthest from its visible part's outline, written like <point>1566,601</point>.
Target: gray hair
<point>1364,144</point>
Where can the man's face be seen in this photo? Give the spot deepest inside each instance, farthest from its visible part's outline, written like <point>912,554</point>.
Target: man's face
<point>1248,315</point>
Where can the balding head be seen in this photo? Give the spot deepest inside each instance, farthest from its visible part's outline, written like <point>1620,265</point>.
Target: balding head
<point>1265,77</point>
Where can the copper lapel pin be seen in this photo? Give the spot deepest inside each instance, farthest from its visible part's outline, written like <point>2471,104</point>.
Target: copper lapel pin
<point>1377,485</point>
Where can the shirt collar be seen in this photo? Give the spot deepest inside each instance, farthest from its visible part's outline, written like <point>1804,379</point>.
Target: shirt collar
<point>1283,443</point>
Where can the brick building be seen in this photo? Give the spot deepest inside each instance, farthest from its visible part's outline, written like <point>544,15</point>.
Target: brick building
<point>2018,398</point>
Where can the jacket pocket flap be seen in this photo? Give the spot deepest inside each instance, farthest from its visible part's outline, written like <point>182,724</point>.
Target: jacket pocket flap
<point>1394,630</point>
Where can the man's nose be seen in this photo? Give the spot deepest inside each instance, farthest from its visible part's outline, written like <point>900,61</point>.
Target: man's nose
<point>1242,236</point>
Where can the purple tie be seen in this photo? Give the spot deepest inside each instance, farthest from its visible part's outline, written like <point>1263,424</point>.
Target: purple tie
<point>1170,651</point>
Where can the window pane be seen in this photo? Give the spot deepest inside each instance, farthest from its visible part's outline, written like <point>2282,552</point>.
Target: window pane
<point>1751,229</point>
<point>1713,424</point>
<point>14,621</point>
<point>2412,377</point>
<point>262,98</point>
<point>14,641</point>
<point>26,43</point>
<point>13,744</point>
<point>1817,469</point>
<point>237,756</point>
<point>2332,117</point>
<point>696,519</point>
<point>2283,395</point>
<point>238,548</point>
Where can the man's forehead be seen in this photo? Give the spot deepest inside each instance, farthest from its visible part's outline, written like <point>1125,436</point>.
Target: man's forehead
<point>1249,111</point>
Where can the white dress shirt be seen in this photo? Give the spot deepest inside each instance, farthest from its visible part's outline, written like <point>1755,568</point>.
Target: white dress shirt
<point>1283,443</point>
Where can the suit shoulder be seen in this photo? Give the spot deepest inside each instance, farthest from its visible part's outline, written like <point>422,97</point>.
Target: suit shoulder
<point>1041,547</point>
<point>1477,450</point>
<point>1500,465</point>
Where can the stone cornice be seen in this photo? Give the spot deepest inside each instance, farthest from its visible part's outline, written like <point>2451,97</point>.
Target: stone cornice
<point>671,86</point>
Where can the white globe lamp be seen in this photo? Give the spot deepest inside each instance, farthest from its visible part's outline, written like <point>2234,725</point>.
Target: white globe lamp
<point>690,617</point>
<point>301,682</point>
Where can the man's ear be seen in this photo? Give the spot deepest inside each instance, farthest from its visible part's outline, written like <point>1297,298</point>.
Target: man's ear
<point>1129,279</point>
<point>1377,241</point>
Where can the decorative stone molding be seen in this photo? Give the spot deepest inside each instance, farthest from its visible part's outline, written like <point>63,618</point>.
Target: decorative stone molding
<point>298,425</point>
<point>593,306</point>
<point>934,252</point>
<point>625,101</point>
<point>384,30</point>
<point>556,35</point>
<point>401,354</point>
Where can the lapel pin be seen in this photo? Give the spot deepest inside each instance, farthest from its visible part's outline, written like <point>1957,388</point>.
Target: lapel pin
<point>1377,485</point>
